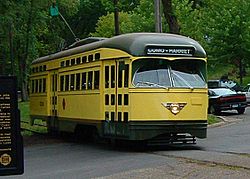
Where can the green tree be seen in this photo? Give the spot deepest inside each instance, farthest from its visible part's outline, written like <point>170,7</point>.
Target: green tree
<point>223,28</point>
<point>123,5</point>
<point>141,19</point>
<point>27,27</point>
<point>170,16</point>
<point>84,21</point>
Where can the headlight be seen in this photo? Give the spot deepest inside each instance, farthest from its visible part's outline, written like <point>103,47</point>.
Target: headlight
<point>175,108</point>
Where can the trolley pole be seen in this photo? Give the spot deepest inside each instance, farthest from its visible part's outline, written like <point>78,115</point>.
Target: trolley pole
<point>116,17</point>
<point>55,12</point>
<point>157,7</point>
<point>76,39</point>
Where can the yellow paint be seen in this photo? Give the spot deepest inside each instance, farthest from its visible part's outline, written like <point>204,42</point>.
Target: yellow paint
<point>148,105</point>
<point>83,106</point>
<point>39,105</point>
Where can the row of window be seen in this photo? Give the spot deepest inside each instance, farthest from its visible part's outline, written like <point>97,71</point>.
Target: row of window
<point>122,99</point>
<point>71,62</point>
<point>37,69</point>
<point>122,77</point>
<point>79,60</point>
<point>111,116</point>
<point>80,81</point>
<point>86,80</point>
<point>38,85</point>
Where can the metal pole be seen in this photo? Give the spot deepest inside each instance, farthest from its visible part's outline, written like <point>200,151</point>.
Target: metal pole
<point>76,39</point>
<point>157,6</point>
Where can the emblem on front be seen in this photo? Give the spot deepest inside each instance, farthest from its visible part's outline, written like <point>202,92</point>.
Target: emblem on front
<point>175,108</point>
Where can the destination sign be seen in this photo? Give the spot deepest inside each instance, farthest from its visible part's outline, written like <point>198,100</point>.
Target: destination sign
<point>169,51</point>
<point>11,144</point>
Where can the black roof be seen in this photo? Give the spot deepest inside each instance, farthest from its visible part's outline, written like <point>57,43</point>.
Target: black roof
<point>133,43</point>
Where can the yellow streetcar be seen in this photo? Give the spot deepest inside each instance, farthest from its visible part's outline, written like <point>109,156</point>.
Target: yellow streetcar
<point>138,86</point>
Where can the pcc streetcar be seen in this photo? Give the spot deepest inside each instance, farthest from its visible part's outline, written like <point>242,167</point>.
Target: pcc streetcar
<point>138,86</point>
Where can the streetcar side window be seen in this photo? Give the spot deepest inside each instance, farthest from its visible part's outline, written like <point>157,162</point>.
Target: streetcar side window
<point>126,75</point>
<point>120,69</point>
<point>84,59</point>
<point>106,76</point>
<point>40,68</point>
<point>62,63</point>
<point>84,81</point>
<point>44,84</point>
<point>106,99</point>
<point>40,86</point>
<point>78,60</point>
<point>36,86</point>
<point>67,83</point>
<point>96,79</point>
<point>73,61</point>
<point>72,82</point>
<point>62,83</point>
<point>90,58</point>
<point>113,76</point>
<point>97,56</point>
<point>90,79</point>
<point>78,81</point>
<point>53,83</point>
<point>32,86</point>
<point>67,63</point>
<point>125,99</point>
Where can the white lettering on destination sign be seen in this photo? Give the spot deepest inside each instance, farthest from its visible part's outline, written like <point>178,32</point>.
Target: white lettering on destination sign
<point>169,51</point>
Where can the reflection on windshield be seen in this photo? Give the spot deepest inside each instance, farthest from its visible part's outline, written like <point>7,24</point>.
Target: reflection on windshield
<point>157,73</point>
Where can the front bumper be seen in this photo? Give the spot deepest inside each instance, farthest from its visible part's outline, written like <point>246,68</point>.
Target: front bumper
<point>145,130</point>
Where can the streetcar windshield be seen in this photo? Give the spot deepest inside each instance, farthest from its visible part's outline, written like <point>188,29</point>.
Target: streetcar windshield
<point>161,73</point>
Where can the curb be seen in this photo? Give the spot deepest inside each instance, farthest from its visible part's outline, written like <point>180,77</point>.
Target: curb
<point>224,121</point>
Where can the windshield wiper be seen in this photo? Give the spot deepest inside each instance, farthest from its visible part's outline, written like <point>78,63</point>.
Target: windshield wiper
<point>183,80</point>
<point>151,84</point>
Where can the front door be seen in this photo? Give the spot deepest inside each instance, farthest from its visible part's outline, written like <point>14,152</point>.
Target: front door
<point>53,99</point>
<point>116,96</point>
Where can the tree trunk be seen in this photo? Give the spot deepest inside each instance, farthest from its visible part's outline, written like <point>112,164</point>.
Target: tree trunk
<point>170,17</point>
<point>23,65</point>
<point>116,17</point>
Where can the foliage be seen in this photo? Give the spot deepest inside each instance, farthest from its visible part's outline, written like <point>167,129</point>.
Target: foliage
<point>105,25</point>
<point>84,21</point>
<point>222,27</point>
<point>211,119</point>
<point>123,5</point>
<point>143,13</point>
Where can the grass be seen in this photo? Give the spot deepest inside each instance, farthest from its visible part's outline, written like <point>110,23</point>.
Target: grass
<point>39,126</point>
<point>211,119</point>
<point>24,108</point>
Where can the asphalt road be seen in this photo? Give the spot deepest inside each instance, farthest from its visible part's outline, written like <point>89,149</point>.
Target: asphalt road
<point>224,154</point>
